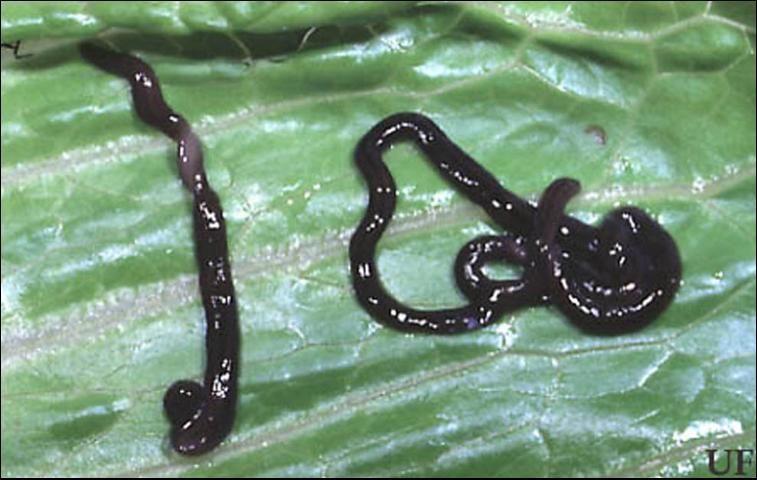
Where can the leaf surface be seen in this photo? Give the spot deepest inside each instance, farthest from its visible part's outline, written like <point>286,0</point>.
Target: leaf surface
<point>645,103</point>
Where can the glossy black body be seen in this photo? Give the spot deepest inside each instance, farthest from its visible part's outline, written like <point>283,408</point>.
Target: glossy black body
<point>608,280</point>
<point>201,415</point>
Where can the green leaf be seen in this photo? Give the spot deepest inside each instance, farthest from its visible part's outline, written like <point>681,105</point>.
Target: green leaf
<point>645,103</point>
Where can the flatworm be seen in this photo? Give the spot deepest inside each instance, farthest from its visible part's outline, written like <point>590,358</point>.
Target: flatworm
<point>201,416</point>
<point>613,279</point>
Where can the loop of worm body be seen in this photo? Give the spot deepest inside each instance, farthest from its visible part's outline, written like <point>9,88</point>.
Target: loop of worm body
<point>201,416</point>
<point>607,280</point>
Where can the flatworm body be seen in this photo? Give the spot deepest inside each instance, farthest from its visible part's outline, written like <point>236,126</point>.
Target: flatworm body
<point>201,416</point>
<point>607,280</point>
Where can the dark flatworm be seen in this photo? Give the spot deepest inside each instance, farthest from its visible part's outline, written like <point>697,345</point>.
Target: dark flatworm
<point>201,416</point>
<point>612,279</point>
